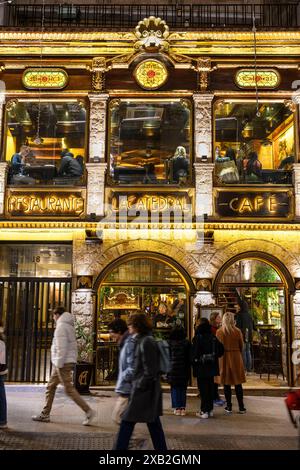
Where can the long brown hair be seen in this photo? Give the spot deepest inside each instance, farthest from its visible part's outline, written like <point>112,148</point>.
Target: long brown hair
<point>140,322</point>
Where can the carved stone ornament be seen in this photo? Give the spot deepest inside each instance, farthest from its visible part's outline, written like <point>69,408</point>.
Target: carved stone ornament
<point>98,70</point>
<point>152,35</point>
<point>204,285</point>
<point>204,68</point>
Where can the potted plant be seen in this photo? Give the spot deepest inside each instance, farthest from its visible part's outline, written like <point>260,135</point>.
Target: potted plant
<point>84,367</point>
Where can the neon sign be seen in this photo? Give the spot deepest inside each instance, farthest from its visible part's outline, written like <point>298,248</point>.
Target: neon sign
<point>45,204</point>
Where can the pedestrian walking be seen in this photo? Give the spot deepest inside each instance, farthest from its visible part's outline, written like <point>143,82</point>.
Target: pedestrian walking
<point>179,375</point>
<point>205,356</point>
<point>3,372</point>
<point>245,323</point>
<point>232,368</point>
<point>215,321</point>
<point>63,357</point>
<point>145,402</point>
<point>119,332</point>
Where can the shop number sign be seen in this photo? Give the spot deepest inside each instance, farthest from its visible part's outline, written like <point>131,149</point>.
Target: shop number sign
<point>44,78</point>
<point>256,204</point>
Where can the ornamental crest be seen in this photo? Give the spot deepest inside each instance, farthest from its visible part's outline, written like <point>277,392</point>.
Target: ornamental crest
<point>152,34</point>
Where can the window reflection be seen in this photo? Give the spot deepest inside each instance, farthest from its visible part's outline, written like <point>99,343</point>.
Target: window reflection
<point>150,142</point>
<point>253,147</point>
<point>45,142</point>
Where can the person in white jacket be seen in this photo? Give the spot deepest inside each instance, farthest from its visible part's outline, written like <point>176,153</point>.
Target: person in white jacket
<point>3,372</point>
<point>63,358</point>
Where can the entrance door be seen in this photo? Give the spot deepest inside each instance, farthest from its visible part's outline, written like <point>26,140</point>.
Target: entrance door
<point>261,287</point>
<point>144,285</point>
<point>25,310</point>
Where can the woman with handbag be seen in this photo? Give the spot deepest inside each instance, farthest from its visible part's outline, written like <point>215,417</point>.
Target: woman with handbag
<point>145,402</point>
<point>3,372</point>
<point>232,367</point>
<point>205,357</point>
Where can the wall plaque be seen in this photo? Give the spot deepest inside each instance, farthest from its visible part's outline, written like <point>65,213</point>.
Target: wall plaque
<point>254,204</point>
<point>44,204</point>
<point>264,78</point>
<point>46,78</point>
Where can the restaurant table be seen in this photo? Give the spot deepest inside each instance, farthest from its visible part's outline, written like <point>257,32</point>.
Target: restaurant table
<point>41,172</point>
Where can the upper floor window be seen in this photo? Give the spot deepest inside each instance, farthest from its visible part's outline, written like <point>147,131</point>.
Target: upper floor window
<point>150,142</point>
<point>45,142</point>
<point>253,146</point>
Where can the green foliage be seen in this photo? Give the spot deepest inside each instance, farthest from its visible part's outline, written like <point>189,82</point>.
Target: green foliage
<point>85,342</point>
<point>265,274</point>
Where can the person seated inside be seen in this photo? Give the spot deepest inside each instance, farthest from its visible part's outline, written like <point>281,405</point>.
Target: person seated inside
<point>287,163</point>
<point>180,166</point>
<point>80,160</point>
<point>252,168</point>
<point>69,166</point>
<point>19,161</point>
<point>225,167</point>
<point>150,177</point>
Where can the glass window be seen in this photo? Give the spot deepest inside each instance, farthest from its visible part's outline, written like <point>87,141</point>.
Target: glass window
<point>143,270</point>
<point>250,270</point>
<point>150,141</point>
<point>253,146</point>
<point>45,142</point>
<point>35,260</point>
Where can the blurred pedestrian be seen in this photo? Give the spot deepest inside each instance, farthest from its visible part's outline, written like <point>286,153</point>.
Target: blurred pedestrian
<point>3,372</point>
<point>145,402</point>
<point>119,332</point>
<point>215,322</point>
<point>179,375</point>
<point>64,354</point>
<point>232,368</point>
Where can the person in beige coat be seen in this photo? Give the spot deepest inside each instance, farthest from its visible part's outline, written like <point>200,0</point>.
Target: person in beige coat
<point>231,364</point>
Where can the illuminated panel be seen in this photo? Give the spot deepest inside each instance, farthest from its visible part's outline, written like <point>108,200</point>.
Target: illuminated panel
<point>44,78</point>
<point>266,78</point>
<point>151,74</point>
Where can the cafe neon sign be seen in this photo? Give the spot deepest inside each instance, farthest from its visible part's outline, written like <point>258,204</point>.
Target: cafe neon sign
<point>44,78</point>
<point>250,78</point>
<point>71,205</point>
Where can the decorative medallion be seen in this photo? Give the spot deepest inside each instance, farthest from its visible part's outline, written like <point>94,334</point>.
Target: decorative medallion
<point>151,74</point>
<point>46,78</point>
<point>266,78</point>
<point>152,34</point>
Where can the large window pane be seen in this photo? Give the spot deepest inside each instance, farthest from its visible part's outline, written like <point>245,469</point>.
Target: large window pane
<point>45,142</point>
<point>253,146</point>
<point>150,141</point>
<point>35,260</point>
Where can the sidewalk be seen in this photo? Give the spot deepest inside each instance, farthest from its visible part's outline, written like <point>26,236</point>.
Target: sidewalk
<point>265,426</point>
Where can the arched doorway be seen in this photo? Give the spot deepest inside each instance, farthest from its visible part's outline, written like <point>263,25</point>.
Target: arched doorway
<point>139,282</point>
<point>264,284</point>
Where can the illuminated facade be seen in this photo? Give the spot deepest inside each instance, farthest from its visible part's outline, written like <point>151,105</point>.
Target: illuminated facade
<point>150,169</point>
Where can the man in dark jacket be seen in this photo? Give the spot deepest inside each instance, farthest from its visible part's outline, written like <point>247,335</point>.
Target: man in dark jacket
<point>244,322</point>
<point>69,166</point>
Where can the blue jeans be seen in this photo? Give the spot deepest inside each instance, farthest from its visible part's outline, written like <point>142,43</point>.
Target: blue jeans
<point>156,433</point>
<point>178,395</point>
<point>247,357</point>
<point>3,405</point>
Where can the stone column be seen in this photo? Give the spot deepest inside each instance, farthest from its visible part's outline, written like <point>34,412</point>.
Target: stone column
<point>203,126</point>
<point>296,168</point>
<point>95,188</point>
<point>83,309</point>
<point>204,188</point>
<point>98,104</point>
<point>3,179</point>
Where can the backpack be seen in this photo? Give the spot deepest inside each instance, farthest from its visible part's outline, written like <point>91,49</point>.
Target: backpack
<point>164,356</point>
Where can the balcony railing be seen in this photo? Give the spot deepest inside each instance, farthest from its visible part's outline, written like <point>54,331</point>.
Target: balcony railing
<point>187,16</point>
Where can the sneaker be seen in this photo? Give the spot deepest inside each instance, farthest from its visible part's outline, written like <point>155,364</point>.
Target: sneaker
<point>202,414</point>
<point>182,412</point>
<point>177,412</point>
<point>43,418</point>
<point>211,414</point>
<point>3,426</point>
<point>242,411</point>
<point>228,409</point>
<point>219,402</point>
<point>90,414</point>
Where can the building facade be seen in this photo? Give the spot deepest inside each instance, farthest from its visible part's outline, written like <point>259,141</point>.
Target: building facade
<point>152,169</point>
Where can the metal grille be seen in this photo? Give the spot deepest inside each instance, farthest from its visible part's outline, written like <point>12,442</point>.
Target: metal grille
<point>226,15</point>
<point>25,309</point>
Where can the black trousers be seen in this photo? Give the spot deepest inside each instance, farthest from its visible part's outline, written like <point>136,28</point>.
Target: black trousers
<point>155,430</point>
<point>206,387</point>
<point>238,392</point>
